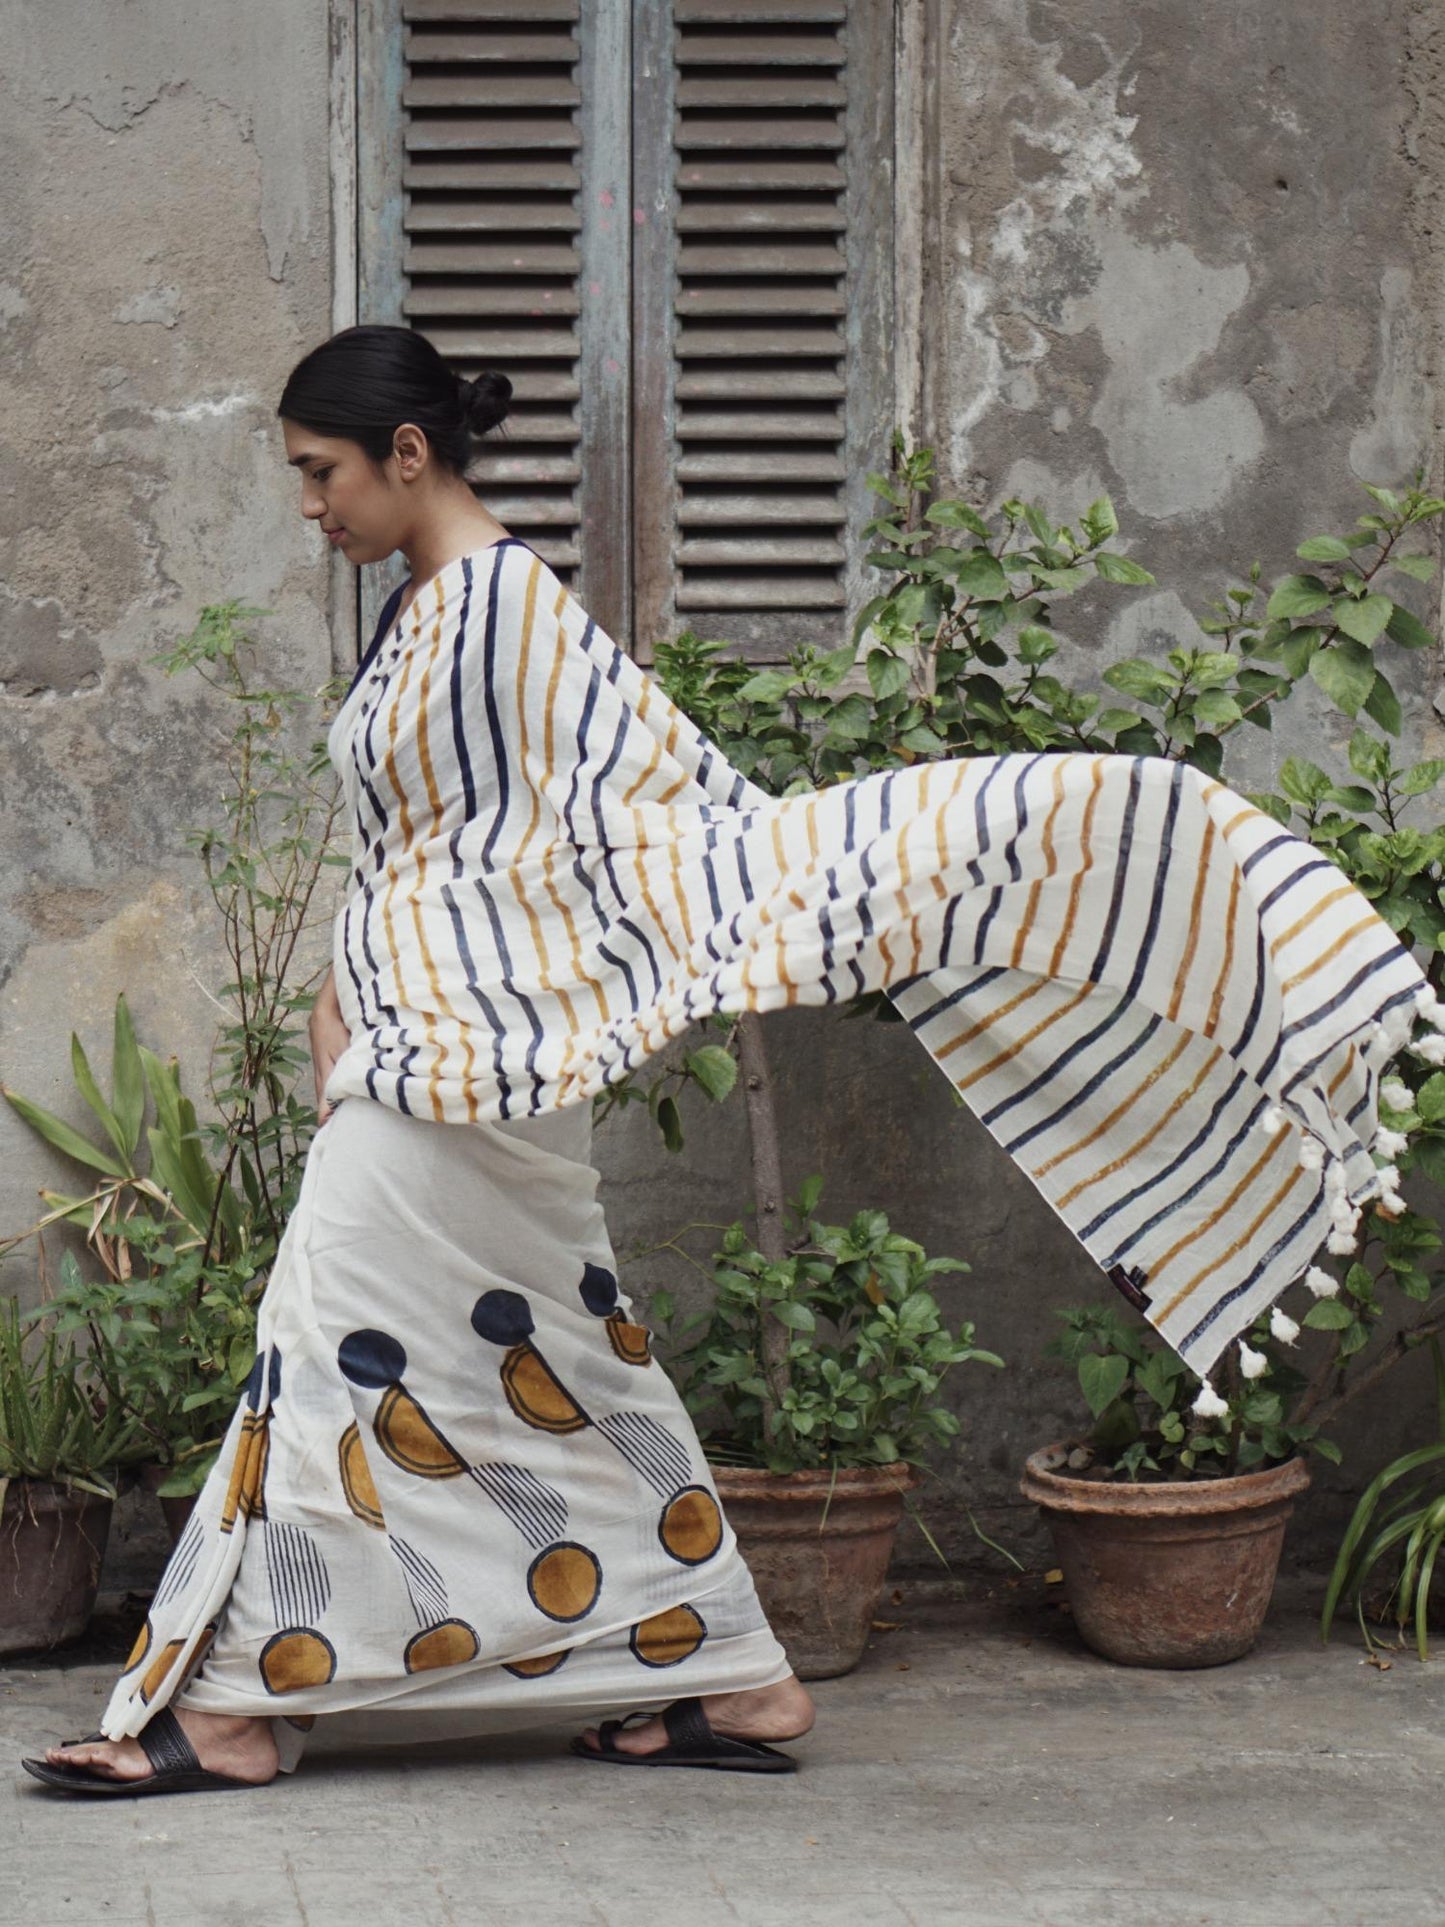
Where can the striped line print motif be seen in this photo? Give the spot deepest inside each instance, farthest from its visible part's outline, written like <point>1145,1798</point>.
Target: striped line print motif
<point>1122,965</point>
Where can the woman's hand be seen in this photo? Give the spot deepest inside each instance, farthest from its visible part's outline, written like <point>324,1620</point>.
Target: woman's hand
<point>329,1038</point>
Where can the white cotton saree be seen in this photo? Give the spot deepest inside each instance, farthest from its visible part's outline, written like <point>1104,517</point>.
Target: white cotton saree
<point>458,1482</point>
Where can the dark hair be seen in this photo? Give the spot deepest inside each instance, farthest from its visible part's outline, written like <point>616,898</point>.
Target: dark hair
<point>364,382</point>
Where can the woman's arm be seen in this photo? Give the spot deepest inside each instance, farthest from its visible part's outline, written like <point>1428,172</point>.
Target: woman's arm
<point>329,1038</point>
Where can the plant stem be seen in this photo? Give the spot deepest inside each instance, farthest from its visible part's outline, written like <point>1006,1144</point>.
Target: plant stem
<point>1384,1363</point>
<point>767,1172</point>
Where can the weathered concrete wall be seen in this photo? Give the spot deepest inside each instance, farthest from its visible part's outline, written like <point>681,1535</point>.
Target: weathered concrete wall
<point>1185,254</point>
<point>164,258</point>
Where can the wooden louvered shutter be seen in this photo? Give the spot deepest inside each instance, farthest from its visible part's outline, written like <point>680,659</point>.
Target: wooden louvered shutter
<point>670,225</point>
<point>762,316</point>
<point>504,198</point>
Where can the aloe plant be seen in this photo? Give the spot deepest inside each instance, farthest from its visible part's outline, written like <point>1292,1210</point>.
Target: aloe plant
<point>61,1418</point>
<point>1411,1526</point>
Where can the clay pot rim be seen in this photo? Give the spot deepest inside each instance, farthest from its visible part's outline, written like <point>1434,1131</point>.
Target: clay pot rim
<point>815,1481</point>
<point>1262,1486</point>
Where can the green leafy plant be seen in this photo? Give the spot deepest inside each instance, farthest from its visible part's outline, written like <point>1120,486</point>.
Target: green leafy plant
<point>868,1346</point>
<point>60,1416</point>
<point>1153,1418</point>
<point>1406,1529</point>
<point>184,1215</point>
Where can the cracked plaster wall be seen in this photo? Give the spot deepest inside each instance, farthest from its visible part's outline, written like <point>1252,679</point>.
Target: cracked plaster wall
<point>164,259</point>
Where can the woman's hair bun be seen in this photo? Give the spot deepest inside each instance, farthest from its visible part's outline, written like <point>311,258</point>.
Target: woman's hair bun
<point>485,400</point>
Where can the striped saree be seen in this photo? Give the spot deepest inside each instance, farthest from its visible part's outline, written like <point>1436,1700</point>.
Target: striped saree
<point>1169,1011</point>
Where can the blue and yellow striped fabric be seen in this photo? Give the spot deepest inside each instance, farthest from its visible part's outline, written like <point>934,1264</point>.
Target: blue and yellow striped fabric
<point>1170,1012</point>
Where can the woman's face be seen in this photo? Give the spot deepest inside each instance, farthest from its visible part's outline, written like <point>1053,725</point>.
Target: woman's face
<point>359,504</point>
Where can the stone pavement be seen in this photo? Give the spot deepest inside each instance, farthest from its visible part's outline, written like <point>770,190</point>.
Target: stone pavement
<point>980,1768</point>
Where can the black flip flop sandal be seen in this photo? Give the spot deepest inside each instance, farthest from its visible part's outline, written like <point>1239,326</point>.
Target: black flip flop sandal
<point>691,1742</point>
<point>164,1743</point>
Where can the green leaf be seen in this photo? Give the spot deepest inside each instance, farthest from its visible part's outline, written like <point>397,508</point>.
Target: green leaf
<point>1323,548</point>
<point>1408,630</point>
<point>1422,567</point>
<point>1382,705</point>
<point>1430,1098</point>
<point>1366,619</point>
<point>1346,673</point>
<point>768,685</point>
<point>1298,595</point>
<point>670,1123</point>
<point>796,1317</point>
<point>1062,581</point>
<point>1369,757</point>
<point>832,667</point>
<point>956,515</point>
<point>1297,650</point>
<point>1036,646</point>
<point>58,1133</point>
<point>1216,707</point>
<point>1329,1315</point>
<point>1142,680</point>
<point>85,1083</point>
<point>981,575</point>
<point>1118,568</point>
<point>715,1069</point>
<point>1102,1379</point>
<point>887,673</point>
<point>1099,520</point>
<point>128,1091</point>
<point>1422,777</point>
<point>1304,782</point>
<point>1042,527</point>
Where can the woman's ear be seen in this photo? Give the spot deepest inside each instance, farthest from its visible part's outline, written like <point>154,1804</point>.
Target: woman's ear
<point>411,452</point>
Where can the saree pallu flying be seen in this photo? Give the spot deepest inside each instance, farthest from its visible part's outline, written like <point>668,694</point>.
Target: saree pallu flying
<point>1168,1010</point>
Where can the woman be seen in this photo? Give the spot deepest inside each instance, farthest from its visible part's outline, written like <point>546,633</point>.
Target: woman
<point>459,1493</point>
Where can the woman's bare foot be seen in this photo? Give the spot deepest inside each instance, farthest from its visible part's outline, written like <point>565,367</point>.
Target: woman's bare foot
<point>770,1713</point>
<point>241,1749</point>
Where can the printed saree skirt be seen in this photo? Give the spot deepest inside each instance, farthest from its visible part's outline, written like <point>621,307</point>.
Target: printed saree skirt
<point>458,1486</point>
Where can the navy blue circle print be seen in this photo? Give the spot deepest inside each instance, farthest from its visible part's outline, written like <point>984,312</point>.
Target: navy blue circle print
<point>253,1383</point>
<point>598,1289</point>
<point>372,1358</point>
<point>503,1317</point>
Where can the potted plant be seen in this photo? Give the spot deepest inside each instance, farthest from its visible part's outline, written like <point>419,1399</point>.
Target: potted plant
<point>179,1263</point>
<point>1168,1515</point>
<point>815,1446</point>
<point>1410,1525</point>
<point>183,1215</point>
<point>63,1434</point>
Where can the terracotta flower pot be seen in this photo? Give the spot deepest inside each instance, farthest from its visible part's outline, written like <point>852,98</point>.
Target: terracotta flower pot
<point>52,1540</point>
<point>818,1545</point>
<point>1178,1574</point>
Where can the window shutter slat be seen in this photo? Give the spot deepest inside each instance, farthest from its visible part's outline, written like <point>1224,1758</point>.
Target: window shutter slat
<point>491,258</point>
<point>752,407</point>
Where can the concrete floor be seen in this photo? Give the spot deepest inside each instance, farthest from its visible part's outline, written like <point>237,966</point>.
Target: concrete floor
<point>980,1767</point>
